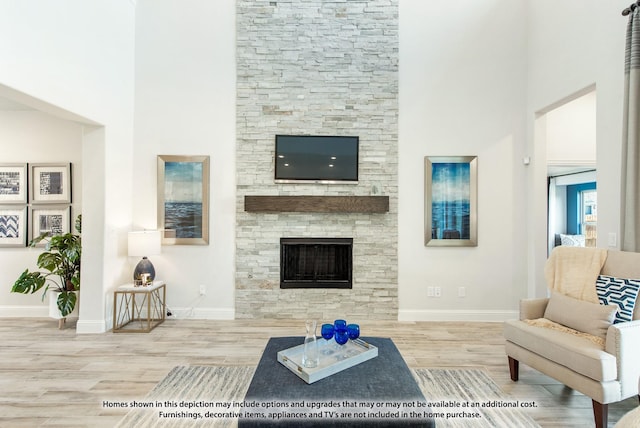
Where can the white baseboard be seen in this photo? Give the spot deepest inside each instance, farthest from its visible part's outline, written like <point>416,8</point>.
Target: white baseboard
<point>457,315</point>
<point>98,326</point>
<point>90,327</point>
<point>176,313</point>
<point>102,326</point>
<point>204,313</point>
<point>40,311</point>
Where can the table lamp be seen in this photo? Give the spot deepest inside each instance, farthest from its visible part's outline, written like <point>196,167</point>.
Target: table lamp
<point>142,244</point>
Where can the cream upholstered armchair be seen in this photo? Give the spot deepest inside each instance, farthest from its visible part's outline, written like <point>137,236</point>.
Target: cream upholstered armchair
<point>593,348</point>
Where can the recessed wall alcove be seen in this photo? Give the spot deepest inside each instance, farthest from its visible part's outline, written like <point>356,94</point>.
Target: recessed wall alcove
<point>317,68</point>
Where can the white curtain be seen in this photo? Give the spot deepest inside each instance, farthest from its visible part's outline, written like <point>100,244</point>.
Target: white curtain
<point>630,207</point>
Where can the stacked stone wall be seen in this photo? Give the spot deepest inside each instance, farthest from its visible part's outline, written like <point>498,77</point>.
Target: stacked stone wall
<point>317,67</point>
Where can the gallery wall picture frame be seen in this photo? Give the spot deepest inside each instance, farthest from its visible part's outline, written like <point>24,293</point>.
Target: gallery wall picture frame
<point>56,220</point>
<point>183,199</point>
<point>50,183</point>
<point>13,226</point>
<point>451,201</point>
<point>13,183</point>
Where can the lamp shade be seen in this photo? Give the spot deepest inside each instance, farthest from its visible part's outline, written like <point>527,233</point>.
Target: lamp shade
<point>144,243</point>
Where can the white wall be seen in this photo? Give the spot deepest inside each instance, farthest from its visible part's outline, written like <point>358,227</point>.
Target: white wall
<point>462,92</point>
<point>571,132</point>
<point>185,105</point>
<point>462,97</point>
<point>473,75</point>
<point>570,51</point>
<point>77,57</point>
<point>35,137</point>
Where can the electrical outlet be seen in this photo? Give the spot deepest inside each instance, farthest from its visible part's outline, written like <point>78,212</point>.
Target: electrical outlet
<point>429,291</point>
<point>613,239</point>
<point>203,289</point>
<point>462,292</point>
<point>437,291</point>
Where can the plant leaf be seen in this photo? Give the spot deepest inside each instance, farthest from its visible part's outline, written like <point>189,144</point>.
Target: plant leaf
<point>43,237</point>
<point>78,224</point>
<point>61,259</point>
<point>50,261</point>
<point>28,282</point>
<point>66,302</point>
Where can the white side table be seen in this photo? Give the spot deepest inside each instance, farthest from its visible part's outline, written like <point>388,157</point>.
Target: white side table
<point>139,308</point>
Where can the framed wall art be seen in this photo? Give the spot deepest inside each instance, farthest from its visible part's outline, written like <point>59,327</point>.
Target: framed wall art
<point>13,183</point>
<point>13,226</point>
<point>451,201</point>
<point>54,220</point>
<point>50,183</point>
<point>183,199</point>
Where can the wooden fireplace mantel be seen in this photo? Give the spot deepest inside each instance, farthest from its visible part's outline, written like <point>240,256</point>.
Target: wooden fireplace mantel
<point>317,204</point>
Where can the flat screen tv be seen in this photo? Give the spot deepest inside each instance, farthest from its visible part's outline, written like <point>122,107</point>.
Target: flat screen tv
<point>316,159</point>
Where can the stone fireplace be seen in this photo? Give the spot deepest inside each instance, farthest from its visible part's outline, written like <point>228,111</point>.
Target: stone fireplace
<point>317,68</point>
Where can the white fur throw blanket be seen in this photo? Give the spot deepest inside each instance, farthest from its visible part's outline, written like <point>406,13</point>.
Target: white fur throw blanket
<point>545,323</point>
<point>573,271</point>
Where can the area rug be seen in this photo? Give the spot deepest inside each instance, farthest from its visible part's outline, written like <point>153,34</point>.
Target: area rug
<point>458,398</point>
<point>186,387</point>
<point>470,398</point>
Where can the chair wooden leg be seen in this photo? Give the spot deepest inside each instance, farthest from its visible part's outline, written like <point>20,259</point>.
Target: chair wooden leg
<point>514,366</point>
<point>600,414</point>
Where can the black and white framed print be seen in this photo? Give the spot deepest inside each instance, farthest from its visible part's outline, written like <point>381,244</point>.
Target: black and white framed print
<point>13,226</point>
<point>50,183</point>
<point>51,220</point>
<point>13,183</point>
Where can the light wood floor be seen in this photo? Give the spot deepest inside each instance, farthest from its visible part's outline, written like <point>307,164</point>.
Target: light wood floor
<point>51,377</point>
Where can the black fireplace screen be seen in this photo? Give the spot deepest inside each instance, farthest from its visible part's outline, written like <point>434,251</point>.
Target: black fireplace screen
<point>315,262</point>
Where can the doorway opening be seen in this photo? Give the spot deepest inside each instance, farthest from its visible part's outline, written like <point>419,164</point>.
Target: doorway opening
<point>571,172</point>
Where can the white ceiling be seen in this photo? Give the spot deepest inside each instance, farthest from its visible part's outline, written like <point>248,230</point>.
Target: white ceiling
<point>9,105</point>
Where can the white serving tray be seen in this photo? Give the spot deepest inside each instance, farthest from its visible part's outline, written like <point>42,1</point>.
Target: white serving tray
<point>357,352</point>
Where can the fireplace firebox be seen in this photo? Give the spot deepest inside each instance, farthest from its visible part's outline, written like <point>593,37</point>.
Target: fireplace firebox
<point>316,262</point>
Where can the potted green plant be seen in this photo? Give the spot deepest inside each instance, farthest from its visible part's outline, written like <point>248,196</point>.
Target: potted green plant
<point>60,269</point>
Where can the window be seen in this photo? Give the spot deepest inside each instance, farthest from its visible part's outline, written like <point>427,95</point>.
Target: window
<point>589,216</point>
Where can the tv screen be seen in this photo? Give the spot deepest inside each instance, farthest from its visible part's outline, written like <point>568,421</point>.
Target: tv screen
<point>318,159</point>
